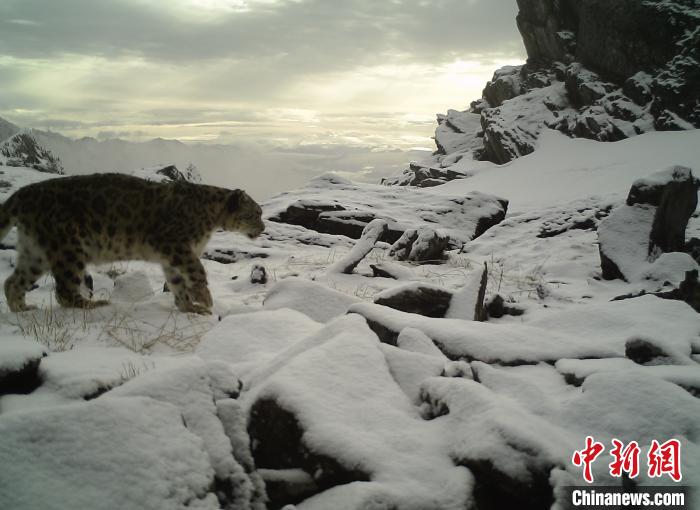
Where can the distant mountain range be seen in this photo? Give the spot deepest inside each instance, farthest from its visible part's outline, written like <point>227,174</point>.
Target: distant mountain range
<point>261,170</point>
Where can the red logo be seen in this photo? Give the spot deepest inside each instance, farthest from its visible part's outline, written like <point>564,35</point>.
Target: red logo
<point>626,459</point>
<point>587,456</point>
<point>662,459</point>
<point>665,459</point>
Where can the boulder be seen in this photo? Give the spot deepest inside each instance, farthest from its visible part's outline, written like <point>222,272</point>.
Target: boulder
<point>417,297</point>
<point>653,222</point>
<point>258,274</point>
<point>348,207</point>
<point>674,192</point>
<point>468,302</point>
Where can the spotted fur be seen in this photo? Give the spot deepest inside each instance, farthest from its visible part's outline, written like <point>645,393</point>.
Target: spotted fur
<point>64,224</point>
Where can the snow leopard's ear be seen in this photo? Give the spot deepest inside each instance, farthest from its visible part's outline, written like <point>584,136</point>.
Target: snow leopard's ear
<point>234,200</point>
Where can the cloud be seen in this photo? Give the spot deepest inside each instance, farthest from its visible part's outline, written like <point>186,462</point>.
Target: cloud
<point>336,33</point>
<point>288,71</point>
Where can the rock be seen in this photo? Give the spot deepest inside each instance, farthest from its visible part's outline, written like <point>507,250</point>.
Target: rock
<point>425,176</point>
<point>287,486</point>
<point>229,256</point>
<point>678,199</point>
<point>621,37</point>
<point>468,302</point>
<point>424,245</point>
<point>277,439</point>
<point>497,308</point>
<point>391,270</point>
<point>547,28</point>
<point>583,218</point>
<point>688,290</point>
<point>348,207</point>
<point>258,274</point>
<point>495,489</point>
<point>106,453</point>
<point>643,352</point>
<point>505,84</point>
<point>19,365</point>
<point>653,222</point>
<point>455,131</point>
<point>599,69</point>
<point>417,297</point>
<point>191,390</point>
<point>374,230</point>
<point>169,173</point>
<point>585,87</point>
<point>22,149</point>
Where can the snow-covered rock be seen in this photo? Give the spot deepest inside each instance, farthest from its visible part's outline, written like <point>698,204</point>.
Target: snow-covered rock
<point>635,238</point>
<point>22,150</point>
<point>19,365</point>
<point>335,411</point>
<point>169,173</point>
<point>316,301</point>
<point>110,453</point>
<point>649,85</point>
<point>346,208</point>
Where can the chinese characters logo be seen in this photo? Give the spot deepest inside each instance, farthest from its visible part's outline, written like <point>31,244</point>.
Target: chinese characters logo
<point>662,459</point>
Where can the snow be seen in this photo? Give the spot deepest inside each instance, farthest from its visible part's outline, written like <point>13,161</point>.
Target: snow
<point>247,339</point>
<point>455,216</point>
<point>88,371</point>
<point>370,235</point>
<point>342,393</point>
<point>16,353</point>
<point>463,304</point>
<point>108,454</point>
<point>565,169</point>
<point>313,300</point>
<point>671,174</point>
<point>171,393</point>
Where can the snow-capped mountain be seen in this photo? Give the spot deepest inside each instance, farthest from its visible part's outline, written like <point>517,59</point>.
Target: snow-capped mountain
<point>23,150</point>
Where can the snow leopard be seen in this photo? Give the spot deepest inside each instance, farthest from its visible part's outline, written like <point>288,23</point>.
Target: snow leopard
<point>65,223</point>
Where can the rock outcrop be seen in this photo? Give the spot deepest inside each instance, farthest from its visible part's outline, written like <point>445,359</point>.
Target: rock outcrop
<point>23,150</point>
<point>645,238</point>
<point>599,69</point>
<point>169,173</point>
<point>347,208</point>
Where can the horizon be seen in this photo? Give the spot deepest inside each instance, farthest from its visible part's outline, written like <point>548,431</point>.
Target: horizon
<point>281,73</point>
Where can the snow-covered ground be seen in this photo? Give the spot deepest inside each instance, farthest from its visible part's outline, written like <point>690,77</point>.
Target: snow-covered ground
<point>141,406</point>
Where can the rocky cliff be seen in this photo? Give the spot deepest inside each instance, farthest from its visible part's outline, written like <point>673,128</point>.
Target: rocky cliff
<point>599,69</point>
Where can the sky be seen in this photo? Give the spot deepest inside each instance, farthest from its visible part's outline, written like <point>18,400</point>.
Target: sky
<point>358,73</point>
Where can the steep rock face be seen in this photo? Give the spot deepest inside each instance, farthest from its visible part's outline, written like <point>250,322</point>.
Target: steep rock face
<point>599,69</point>
<point>628,67</point>
<point>547,28</point>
